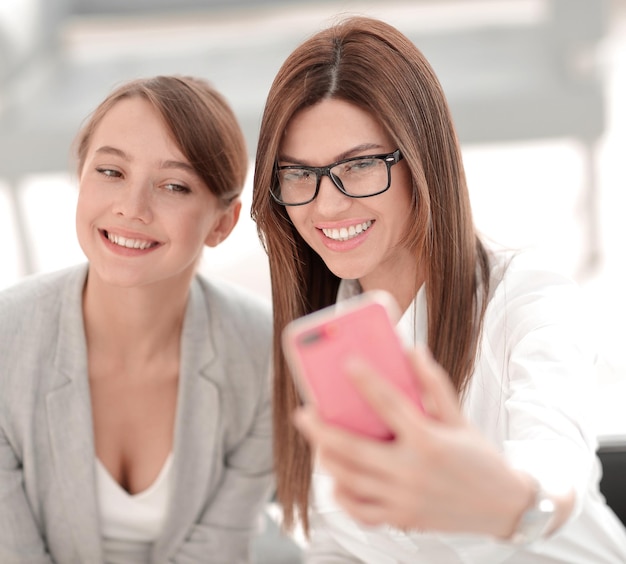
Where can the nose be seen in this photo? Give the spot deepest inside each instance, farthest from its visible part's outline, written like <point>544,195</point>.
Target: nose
<point>133,201</point>
<point>330,200</point>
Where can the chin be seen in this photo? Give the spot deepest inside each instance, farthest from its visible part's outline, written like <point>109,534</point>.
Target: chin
<point>346,272</point>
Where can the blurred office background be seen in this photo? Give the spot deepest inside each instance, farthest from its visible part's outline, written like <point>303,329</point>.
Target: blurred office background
<point>537,89</point>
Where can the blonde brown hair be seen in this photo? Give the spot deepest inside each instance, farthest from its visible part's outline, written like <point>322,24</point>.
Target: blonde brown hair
<point>201,122</point>
<point>370,64</point>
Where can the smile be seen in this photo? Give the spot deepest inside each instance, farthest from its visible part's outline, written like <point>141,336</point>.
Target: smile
<point>345,233</point>
<point>129,243</point>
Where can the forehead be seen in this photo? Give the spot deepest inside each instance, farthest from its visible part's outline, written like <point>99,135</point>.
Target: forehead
<point>135,124</point>
<point>125,112</point>
<point>330,128</point>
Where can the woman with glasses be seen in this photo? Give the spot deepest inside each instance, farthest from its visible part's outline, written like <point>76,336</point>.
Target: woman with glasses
<point>359,185</point>
<point>135,409</point>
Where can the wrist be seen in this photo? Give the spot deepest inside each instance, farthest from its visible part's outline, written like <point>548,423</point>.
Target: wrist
<point>537,517</point>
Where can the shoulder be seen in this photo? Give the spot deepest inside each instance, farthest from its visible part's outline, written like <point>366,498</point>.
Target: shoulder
<point>233,298</point>
<point>236,308</point>
<point>527,294</point>
<point>33,313</point>
<point>238,325</point>
<point>524,275</point>
<point>36,297</point>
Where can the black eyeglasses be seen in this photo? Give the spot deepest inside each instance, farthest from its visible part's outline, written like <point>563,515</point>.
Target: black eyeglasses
<point>356,177</point>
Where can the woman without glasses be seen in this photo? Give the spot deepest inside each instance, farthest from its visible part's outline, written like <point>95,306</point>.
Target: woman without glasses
<point>135,420</point>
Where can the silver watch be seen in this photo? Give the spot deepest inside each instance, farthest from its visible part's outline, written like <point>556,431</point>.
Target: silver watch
<point>536,520</point>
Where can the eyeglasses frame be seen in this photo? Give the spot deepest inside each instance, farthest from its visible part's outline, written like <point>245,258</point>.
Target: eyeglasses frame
<point>389,159</point>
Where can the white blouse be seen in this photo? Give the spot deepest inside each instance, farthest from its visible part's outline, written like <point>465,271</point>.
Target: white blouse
<point>130,524</point>
<point>528,395</point>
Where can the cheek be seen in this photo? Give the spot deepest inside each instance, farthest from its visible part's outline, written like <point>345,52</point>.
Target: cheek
<point>83,206</point>
<point>399,209</point>
<point>89,199</point>
<point>296,216</point>
<point>82,222</point>
<point>404,192</point>
<point>196,224</point>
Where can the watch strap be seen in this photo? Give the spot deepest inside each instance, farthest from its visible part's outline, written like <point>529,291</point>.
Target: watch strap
<point>536,519</point>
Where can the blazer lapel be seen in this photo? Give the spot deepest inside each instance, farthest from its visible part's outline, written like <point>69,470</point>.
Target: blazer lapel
<point>197,421</point>
<point>71,426</point>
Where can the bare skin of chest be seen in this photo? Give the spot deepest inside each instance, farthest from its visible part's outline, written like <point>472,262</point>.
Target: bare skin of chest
<point>133,415</point>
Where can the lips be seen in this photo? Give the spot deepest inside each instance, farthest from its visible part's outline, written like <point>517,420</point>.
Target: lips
<point>130,243</point>
<point>347,233</point>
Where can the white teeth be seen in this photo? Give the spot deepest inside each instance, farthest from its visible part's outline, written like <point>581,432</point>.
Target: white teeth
<point>346,233</point>
<point>129,243</point>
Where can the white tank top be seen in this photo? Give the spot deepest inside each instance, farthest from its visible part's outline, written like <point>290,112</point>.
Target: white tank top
<point>129,520</point>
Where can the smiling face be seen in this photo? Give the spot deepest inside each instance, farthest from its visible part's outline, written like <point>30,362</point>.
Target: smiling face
<point>356,238</point>
<point>143,215</point>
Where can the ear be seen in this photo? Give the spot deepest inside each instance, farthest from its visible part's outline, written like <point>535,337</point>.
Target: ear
<point>225,223</point>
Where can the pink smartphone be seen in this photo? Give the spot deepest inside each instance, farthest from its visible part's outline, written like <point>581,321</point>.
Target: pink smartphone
<point>318,345</point>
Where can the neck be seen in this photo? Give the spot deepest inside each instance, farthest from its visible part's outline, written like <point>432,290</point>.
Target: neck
<point>402,279</point>
<point>136,323</point>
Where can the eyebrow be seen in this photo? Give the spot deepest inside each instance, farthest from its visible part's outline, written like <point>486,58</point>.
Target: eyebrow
<point>108,150</point>
<point>345,155</point>
<point>178,164</point>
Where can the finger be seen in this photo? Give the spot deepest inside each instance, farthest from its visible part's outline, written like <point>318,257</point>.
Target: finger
<point>383,471</point>
<point>375,512</point>
<point>387,400</point>
<point>365,511</point>
<point>355,482</point>
<point>439,397</point>
<point>360,455</point>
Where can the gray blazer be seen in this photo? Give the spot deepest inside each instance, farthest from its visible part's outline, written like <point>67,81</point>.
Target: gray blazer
<point>222,443</point>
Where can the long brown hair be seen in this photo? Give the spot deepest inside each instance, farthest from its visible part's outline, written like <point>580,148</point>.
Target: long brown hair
<point>201,122</point>
<point>370,64</point>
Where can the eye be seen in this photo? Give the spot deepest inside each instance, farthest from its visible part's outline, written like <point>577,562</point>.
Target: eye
<point>361,165</point>
<point>177,188</point>
<point>296,175</point>
<point>111,173</point>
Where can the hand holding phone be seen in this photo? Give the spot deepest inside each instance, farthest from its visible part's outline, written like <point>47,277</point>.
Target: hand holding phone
<point>318,346</point>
